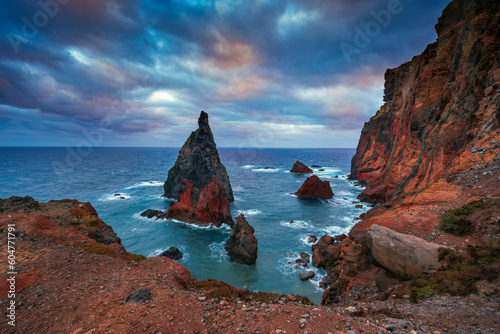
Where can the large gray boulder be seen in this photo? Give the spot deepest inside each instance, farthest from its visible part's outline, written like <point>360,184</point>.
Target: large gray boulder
<point>407,256</point>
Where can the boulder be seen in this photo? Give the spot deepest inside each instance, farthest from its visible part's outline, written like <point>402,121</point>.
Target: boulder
<point>407,256</point>
<point>242,243</point>
<point>313,187</point>
<point>307,276</point>
<point>199,181</point>
<point>150,213</point>
<point>300,168</point>
<point>138,297</point>
<point>173,253</point>
<point>306,257</point>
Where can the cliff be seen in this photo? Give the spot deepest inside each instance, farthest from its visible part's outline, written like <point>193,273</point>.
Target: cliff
<point>437,106</point>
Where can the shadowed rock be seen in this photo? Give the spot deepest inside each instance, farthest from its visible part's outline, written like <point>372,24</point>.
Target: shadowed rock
<point>173,253</point>
<point>199,181</point>
<point>139,297</point>
<point>242,244</point>
<point>198,162</point>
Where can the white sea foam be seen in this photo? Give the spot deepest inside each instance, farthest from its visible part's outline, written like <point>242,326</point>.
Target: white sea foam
<point>248,166</point>
<point>305,239</point>
<point>336,230</point>
<point>296,224</point>
<point>146,184</point>
<point>218,252</point>
<point>266,170</point>
<point>238,189</point>
<point>112,197</point>
<point>250,212</point>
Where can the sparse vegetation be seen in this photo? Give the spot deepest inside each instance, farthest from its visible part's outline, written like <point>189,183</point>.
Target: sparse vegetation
<point>98,248</point>
<point>457,221</point>
<point>218,289</point>
<point>461,272</point>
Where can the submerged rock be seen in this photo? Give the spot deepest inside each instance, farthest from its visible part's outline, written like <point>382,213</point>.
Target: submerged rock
<point>242,243</point>
<point>313,187</point>
<point>300,168</point>
<point>150,213</point>
<point>199,181</point>
<point>307,276</point>
<point>173,253</point>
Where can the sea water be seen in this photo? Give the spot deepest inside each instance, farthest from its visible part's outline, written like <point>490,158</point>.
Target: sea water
<point>262,186</point>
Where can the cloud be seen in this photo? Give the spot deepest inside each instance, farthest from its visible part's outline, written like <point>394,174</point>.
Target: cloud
<point>262,69</point>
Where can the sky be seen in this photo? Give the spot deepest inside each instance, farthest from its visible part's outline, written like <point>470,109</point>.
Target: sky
<point>270,73</point>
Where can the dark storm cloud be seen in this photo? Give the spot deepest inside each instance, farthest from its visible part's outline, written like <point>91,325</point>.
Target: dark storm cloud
<point>148,67</point>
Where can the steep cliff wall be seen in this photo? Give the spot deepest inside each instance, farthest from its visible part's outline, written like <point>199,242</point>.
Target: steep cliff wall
<point>436,106</point>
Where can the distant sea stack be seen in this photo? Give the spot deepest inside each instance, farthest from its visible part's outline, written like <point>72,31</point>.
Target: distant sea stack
<point>300,168</point>
<point>436,106</point>
<point>314,187</point>
<point>199,181</point>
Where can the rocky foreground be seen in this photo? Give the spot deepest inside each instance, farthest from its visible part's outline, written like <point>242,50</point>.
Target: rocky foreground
<point>74,276</point>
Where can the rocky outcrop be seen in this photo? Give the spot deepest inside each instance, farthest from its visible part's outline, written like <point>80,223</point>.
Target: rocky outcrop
<point>407,256</point>
<point>212,206</point>
<point>437,106</point>
<point>198,162</point>
<point>300,168</point>
<point>242,243</point>
<point>314,187</point>
<point>172,253</point>
<point>199,181</point>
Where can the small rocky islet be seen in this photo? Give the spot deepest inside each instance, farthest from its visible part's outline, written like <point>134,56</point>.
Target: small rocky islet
<point>424,259</point>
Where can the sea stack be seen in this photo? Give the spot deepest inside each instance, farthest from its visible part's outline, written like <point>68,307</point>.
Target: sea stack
<point>199,181</point>
<point>242,244</point>
<point>300,168</point>
<point>314,187</point>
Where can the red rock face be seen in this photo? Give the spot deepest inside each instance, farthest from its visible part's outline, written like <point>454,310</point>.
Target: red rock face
<point>313,187</point>
<point>300,168</point>
<point>436,106</point>
<point>212,206</point>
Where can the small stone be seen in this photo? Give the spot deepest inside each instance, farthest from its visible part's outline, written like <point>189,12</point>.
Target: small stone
<point>202,298</point>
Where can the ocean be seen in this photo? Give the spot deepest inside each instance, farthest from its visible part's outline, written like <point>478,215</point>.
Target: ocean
<point>262,186</point>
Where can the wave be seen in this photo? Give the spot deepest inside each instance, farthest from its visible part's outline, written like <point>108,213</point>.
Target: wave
<point>218,252</point>
<point>248,166</point>
<point>296,224</point>
<point>266,170</point>
<point>114,197</point>
<point>250,212</point>
<point>238,189</point>
<point>336,230</point>
<point>146,184</point>
<point>305,239</point>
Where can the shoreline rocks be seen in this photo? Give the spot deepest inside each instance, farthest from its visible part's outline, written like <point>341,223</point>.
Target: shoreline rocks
<point>314,187</point>
<point>242,244</point>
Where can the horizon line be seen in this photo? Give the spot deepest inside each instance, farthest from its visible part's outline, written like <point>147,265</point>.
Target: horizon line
<point>175,147</point>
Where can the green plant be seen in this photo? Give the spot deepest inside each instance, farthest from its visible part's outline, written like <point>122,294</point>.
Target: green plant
<point>457,222</point>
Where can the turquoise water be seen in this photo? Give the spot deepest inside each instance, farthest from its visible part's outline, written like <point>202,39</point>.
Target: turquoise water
<point>263,195</point>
